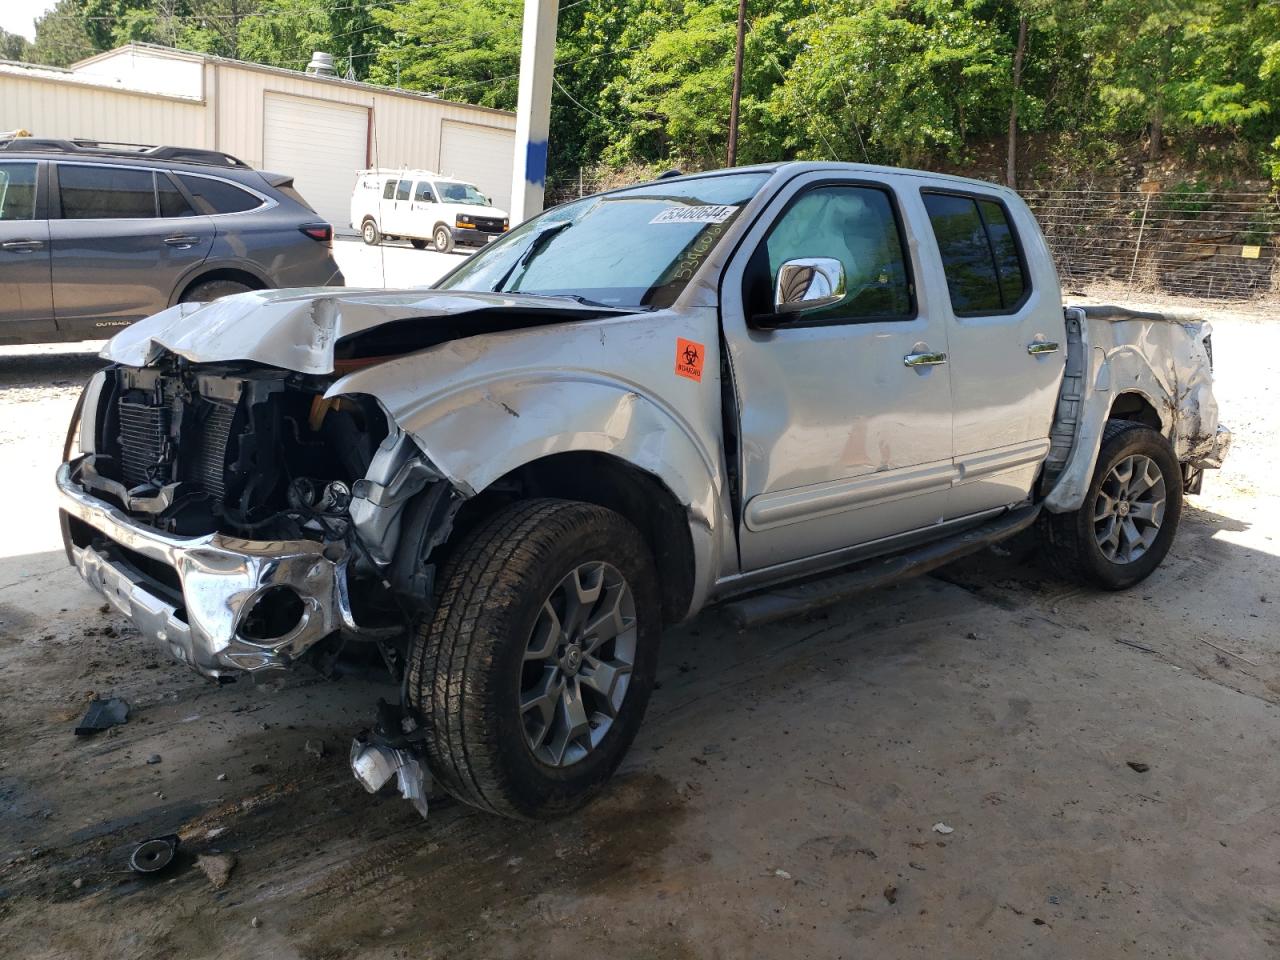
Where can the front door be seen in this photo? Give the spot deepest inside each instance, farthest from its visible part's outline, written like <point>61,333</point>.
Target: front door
<point>1008,348</point>
<point>122,245</point>
<point>845,411</point>
<point>26,299</point>
<point>422,211</point>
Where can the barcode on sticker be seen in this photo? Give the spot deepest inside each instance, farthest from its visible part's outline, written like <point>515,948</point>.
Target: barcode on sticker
<point>709,213</point>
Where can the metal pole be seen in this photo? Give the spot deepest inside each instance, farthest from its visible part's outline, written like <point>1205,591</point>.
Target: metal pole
<point>1137,247</point>
<point>737,84</point>
<point>533,108</point>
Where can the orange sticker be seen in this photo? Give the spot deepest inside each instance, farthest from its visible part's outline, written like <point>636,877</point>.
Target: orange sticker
<point>689,357</point>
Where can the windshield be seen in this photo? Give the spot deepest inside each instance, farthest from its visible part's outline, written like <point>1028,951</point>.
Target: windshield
<point>636,247</point>
<point>461,193</point>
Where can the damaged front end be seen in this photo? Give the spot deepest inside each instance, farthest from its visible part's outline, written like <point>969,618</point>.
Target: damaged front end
<point>238,517</point>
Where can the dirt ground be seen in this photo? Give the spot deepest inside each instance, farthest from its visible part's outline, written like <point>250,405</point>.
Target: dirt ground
<point>779,801</point>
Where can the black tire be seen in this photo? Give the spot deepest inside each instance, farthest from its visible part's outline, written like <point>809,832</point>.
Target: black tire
<point>1069,539</point>
<point>443,238</point>
<point>418,243</point>
<point>369,232</point>
<point>213,289</point>
<point>467,660</point>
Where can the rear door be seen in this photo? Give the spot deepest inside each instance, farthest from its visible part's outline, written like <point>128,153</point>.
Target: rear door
<point>845,412</point>
<point>122,239</point>
<point>1007,342</point>
<point>26,298</point>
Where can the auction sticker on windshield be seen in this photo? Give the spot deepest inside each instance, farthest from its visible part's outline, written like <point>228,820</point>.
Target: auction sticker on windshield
<point>704,213</point>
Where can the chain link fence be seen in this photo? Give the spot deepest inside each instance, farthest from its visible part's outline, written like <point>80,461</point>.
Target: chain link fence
<point>1182,239</point>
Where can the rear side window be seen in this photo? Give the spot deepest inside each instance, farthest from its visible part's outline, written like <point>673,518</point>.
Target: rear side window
<point>217,196</point>
<point>423,193</point>
<point>979,253</point>
<point>402,191</point>
<point>389,191</point>
<point>169,197</point>
<point>105,193</point>
<point>17,191</point>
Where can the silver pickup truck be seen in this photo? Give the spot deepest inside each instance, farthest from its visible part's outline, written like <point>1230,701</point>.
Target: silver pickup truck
<point>768,386</point>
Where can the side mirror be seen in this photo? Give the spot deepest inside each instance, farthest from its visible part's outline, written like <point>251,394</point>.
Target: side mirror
<point>807,283</point>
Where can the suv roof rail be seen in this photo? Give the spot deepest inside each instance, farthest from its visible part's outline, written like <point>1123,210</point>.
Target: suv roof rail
<point>106,148</point>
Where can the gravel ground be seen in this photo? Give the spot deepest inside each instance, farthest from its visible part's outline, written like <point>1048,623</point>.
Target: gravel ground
<point>779,800</point>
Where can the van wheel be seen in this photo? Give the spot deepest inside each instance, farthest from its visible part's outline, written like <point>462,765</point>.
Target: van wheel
<point>533,673</point>
<point>443,238</point>
<point>369,232</point>
<point>213,289</point>
<point>1130,514</point>
<point>418,243</point>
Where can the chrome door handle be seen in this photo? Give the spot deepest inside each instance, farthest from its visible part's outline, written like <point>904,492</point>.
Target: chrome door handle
<point>22,246</point>
<point>1038,347</point>
<point>182,243</point>
<point>924,359</point>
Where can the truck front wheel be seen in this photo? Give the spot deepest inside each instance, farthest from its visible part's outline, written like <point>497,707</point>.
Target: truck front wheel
<point>1130,514</point>
<point>533,673</point>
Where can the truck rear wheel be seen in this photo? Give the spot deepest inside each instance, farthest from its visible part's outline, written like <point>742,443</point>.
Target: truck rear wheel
<point>1130,514</point>
<point>533,673</point>
<point>369,232</point>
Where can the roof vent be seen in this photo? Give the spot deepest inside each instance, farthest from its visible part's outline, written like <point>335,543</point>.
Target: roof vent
<point>321,65</point>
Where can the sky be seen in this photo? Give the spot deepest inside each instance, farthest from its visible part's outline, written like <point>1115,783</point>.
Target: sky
<point>19,16</point>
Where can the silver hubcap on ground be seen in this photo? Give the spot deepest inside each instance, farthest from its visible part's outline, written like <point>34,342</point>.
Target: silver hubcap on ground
<point>1129,509</point>
<point>577,664</point>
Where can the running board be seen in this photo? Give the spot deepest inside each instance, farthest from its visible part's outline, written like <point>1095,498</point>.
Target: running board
<point>800,598</point>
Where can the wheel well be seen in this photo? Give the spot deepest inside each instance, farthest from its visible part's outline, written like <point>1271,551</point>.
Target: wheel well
<point>369,218</point>
<point>608,482</point>
<point>226,273</point>
<point>1136,407</point>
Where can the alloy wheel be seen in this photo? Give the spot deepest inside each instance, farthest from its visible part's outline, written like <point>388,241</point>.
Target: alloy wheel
<point>1129,509</point>
<point>577,664</point>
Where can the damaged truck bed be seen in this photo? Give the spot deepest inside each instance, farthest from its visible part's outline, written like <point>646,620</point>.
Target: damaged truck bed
<point>630,407</point>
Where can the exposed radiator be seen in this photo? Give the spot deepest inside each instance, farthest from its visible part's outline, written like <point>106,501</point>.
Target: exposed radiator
<point>143,430</point>
<point>208,467</point>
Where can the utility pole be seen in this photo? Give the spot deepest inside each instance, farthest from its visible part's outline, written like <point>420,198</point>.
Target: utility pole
<point>533,108</point>
<point>737,84</point>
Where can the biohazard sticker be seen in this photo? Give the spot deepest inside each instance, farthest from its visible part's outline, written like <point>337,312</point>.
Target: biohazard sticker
<point>689,357</point>
<point>702,213</point>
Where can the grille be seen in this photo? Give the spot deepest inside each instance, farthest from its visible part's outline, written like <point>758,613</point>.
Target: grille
<point>209,464</point>
<point>488,224</point>
<point>143,430</point>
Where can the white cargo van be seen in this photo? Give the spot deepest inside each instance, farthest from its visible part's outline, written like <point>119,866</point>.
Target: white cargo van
<point>423,207</point>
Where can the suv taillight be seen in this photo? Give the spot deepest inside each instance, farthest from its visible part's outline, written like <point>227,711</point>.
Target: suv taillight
<point>321,232</point>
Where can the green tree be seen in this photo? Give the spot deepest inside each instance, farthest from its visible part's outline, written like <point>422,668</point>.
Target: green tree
<point>13,46</point>
<point>62,36</point>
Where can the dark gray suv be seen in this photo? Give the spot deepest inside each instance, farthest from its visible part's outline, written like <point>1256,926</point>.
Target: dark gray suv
<point>94,236</point>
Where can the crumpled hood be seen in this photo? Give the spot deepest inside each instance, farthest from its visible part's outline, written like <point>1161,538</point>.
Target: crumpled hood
<point>297,329</point>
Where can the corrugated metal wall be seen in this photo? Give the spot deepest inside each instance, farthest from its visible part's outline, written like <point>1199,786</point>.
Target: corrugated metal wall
<point>58,108</point>
<point>406,129</point>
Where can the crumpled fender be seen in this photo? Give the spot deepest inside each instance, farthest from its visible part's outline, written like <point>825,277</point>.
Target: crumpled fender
<point>1163,359</point>
<point>483,406</point>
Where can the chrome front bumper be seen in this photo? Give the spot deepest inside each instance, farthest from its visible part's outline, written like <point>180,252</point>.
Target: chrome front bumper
<point>221,579</point>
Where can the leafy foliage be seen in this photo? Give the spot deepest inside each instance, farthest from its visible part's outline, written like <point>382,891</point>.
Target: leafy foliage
<point>648,81</point>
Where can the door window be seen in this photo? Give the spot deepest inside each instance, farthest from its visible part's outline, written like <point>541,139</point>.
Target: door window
<point>105,193</point>
<point>855,225</point>
<point>402,191</point>
<point>17,191</point>
<point>169,197</point>
<point>980,255</point>
<point>423,194</point>
<point>217,196</point>
<point>389,191</point>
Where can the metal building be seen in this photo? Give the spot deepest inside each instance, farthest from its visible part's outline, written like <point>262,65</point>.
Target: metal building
<point>319,129</point>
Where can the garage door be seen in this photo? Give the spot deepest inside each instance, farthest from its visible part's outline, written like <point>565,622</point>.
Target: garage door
<point>479,155</point>
<point>321,145</point>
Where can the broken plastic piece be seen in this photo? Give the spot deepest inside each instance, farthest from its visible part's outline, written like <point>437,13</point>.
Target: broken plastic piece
<point>102,714</point>
<point>152,856</point>
<point>391,750</point>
